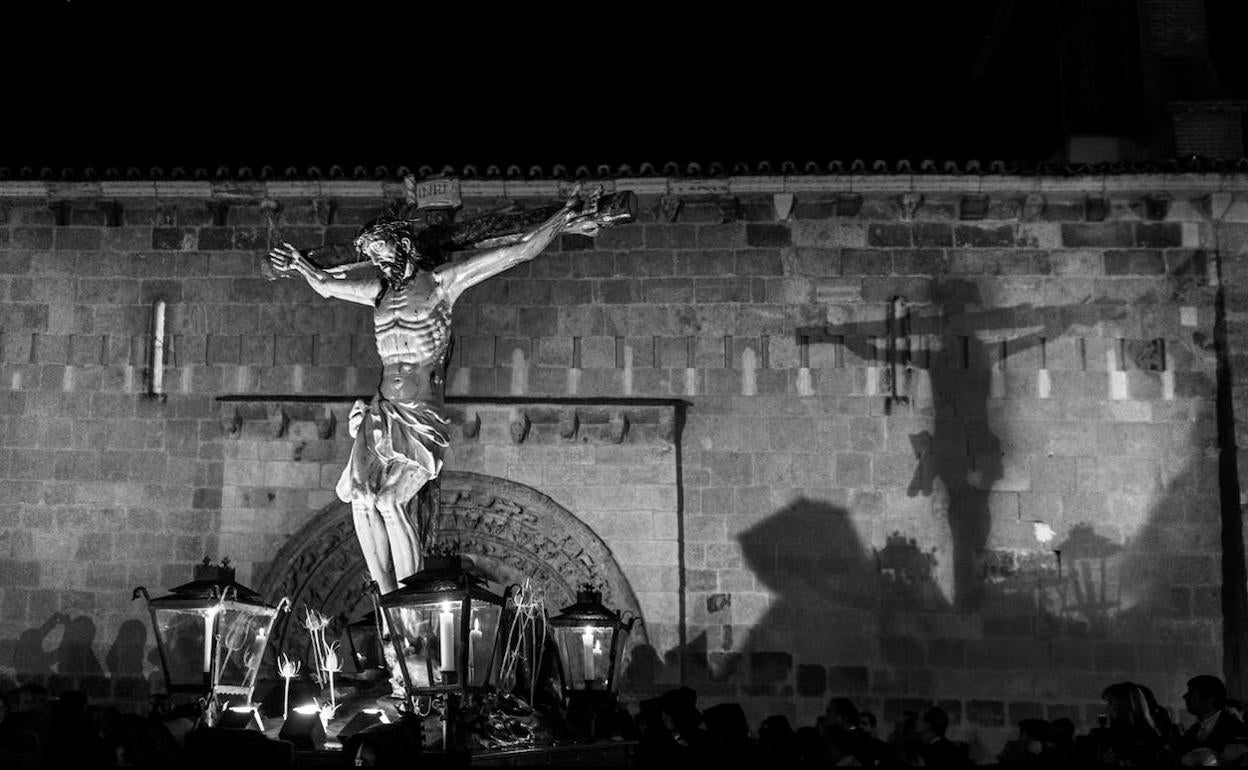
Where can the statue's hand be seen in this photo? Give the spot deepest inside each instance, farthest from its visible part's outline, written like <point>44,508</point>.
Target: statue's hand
<point>281,258</point>
<point>286,258</point>
<point>583,225</point>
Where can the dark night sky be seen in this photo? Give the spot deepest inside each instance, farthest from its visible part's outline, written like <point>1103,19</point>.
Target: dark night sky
<point>222,87</point>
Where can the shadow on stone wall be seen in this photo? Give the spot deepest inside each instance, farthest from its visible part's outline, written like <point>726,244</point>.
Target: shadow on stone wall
<point>1034,631</point>
<point>70,662</point>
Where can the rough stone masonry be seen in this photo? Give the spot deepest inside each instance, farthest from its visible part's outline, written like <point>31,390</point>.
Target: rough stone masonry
<point>950,439</point>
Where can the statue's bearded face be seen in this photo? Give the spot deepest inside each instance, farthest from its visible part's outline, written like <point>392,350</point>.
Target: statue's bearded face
<point>392,257</point>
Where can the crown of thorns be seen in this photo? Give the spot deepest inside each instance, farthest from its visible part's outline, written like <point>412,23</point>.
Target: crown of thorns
<point>388,228</point>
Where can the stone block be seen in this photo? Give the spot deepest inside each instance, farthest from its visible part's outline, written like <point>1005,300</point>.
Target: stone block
<point>1134,262</point>
<point>845,680</point>
<point>985,237</point>
<point>1098,234</point>
<point>888,235</point>
<point>770,667</point>
<point>985,713</point>
<point>858,262</point>
<point>671,236</point>
<point>39,238</point>
<point>1159,235</point>
<point>812,681</point>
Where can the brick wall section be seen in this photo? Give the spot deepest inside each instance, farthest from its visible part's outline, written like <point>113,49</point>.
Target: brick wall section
<point>833,544</point>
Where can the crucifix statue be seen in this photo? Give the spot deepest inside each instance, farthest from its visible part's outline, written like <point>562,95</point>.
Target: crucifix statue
<point>400,438</point>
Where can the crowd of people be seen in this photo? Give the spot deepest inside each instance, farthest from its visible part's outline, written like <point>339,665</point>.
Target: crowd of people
<point>1133,731</point>
<point>39,731</point>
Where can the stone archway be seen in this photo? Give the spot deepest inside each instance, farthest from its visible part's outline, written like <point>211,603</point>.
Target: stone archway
<point>510,530</point>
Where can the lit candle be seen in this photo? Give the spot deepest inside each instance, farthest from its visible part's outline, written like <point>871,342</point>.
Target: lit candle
<point>446,637</point>
<point>587,653</point>
<point>208,642</point>
<point>474,637</point>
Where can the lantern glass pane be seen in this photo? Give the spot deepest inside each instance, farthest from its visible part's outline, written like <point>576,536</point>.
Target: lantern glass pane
<point>586,654</point>
<point>482,635</point>
<point>242,633</point>
<point>431,642</point>
<point>183,632</point>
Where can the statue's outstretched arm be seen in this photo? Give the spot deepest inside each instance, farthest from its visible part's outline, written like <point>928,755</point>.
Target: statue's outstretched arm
<point>458,277</point>
<point>286,259</point>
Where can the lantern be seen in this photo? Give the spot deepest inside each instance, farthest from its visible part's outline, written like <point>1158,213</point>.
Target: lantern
<point>591,641</point>
<point>211,634</point>
<point>444,624</point>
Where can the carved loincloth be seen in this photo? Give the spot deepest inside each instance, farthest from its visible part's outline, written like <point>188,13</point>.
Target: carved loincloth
<point>387,432</point>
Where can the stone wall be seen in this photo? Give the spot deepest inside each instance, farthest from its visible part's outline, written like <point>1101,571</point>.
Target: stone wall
<point>1007,507</point>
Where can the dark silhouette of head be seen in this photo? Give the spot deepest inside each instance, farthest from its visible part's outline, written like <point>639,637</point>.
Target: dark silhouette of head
<point>935,723</point>
<point>1205,694</point>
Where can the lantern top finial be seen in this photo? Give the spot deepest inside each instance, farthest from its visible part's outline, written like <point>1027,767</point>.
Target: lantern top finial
<point>208,572</point>
<point>215,581</point>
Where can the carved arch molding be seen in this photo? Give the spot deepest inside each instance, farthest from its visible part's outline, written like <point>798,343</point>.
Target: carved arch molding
<point>511,531</point>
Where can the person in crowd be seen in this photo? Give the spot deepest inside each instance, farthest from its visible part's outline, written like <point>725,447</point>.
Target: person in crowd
<point>843,747</point>
<point>842,715</point>
<point>1135,734</point>
<point>777,740</point>
<point>840,712</point>
<point>876,749</point>
<point>867,723</point>
<point>728,733</point>
<point>1215,725</point>
<point>937,749</point>
<point>811,748</point>
<point>1031,748</point>
<point>1063,751</point>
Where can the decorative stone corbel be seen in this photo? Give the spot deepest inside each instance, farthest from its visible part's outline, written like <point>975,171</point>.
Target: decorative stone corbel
<point>112,211</point>
<point>220,211</point>
<point>277,419</point>
<point>569,423</point>
<point>1033,207</point>
<point>326,424</point>
<point>1157,206</point>
<point>166,215</point>
<point>271,209</point>
<point>472,428</point>
<point>325,211</point>
<point>910,202</point>
<point>519,428</point>
<point>60,212</point>
<point>669,208</point>
<point>1096,209</point>
<point>231,420</point>
<point>617,427</point>
<point>783,203</point>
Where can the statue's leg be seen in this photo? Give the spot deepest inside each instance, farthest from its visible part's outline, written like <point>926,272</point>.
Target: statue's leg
<point>403,481</point>
<point>371,530</point>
